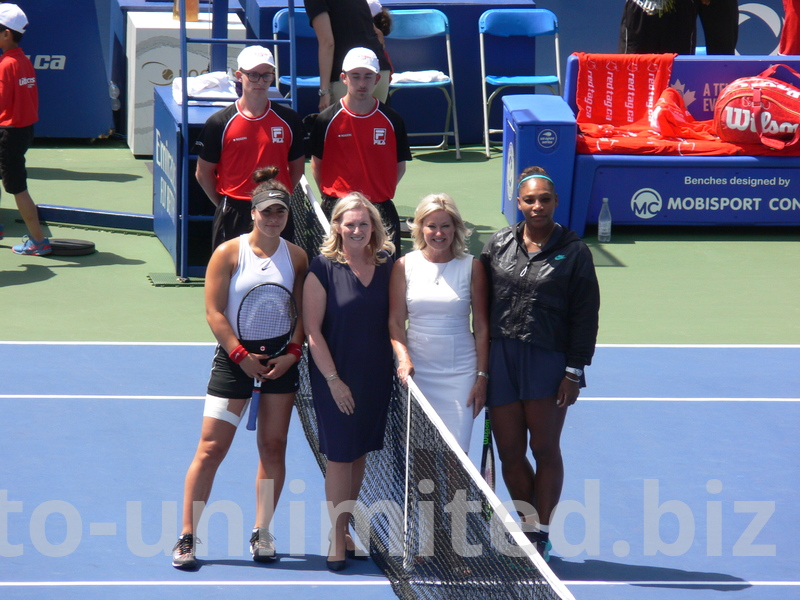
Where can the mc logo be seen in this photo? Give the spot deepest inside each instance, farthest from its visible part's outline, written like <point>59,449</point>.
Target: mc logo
<point>646,203</point>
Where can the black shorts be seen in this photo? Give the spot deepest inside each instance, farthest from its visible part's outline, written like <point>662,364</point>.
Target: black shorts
<point>227,379</point>
<point>521,371</point>
<point>232,218</point>
<point>14,143</point>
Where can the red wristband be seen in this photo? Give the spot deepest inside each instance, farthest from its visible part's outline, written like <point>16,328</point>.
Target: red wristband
<point>296,350</point>
<point>238,354</point>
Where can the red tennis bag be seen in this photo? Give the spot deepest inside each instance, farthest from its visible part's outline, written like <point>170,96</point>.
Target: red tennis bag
<point>760,110</point>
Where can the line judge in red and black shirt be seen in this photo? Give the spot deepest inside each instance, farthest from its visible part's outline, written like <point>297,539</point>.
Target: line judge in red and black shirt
<point>250,134</point>
<point>358,144</point>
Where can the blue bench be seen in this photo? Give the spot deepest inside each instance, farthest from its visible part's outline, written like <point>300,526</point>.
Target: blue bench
<point>671,190</point>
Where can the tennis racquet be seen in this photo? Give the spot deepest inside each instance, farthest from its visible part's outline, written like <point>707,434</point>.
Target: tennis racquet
<point>266,321</point>
<point>487,458</point>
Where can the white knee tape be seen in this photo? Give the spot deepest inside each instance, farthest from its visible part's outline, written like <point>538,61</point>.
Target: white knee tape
<point>217,408</point>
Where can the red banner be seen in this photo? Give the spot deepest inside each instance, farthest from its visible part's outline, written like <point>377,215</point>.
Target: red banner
<point>620,89</point>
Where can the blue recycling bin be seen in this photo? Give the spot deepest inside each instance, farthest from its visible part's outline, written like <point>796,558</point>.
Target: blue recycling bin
<point>538,130</point>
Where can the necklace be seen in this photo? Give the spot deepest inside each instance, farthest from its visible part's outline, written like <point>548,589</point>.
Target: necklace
<point>539,244</point>
<point>439,269</point>
<point>440,272</point>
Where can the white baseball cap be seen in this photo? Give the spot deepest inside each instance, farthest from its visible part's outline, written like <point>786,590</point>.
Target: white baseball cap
<point>253,56</point>
<point>12,17</point>
<point>374,7</point>
<point>359,58</point>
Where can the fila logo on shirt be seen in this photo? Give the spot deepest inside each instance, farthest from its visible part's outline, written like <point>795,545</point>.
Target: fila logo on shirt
<point>379,136</point>
<point>277,135</point>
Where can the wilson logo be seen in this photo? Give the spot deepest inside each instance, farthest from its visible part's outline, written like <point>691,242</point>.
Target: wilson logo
<point>742,119</point>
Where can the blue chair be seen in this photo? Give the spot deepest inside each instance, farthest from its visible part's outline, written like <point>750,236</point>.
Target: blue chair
<point>420,24</point>
<point>302,29</point>
<point>511,22</point>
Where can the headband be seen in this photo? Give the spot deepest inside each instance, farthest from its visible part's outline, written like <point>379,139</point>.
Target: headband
<point>524,179</point>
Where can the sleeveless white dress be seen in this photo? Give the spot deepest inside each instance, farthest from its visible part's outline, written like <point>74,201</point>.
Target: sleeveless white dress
<point>439,337</point>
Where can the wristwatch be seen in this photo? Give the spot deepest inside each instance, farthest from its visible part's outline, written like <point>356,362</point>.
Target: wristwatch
<point>324,92</point>
<point>574,371</point>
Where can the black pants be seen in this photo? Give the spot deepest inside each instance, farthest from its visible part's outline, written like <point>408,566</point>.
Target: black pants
<point>674,31</point>
<point>720,21</point>
<point>232,218</point>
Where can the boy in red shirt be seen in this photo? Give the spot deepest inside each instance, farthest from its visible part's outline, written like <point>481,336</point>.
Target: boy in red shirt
<point>359,144</point>
<point>19,110</point>
<point>251,133</point>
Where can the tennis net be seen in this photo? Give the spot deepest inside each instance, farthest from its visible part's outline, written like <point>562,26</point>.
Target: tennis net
<point>434,526</point>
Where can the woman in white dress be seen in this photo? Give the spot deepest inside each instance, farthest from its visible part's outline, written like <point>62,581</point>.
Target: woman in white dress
<point>436,287</point>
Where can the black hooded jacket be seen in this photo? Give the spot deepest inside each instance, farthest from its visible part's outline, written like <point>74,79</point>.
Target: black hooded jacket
<point>551,299</point>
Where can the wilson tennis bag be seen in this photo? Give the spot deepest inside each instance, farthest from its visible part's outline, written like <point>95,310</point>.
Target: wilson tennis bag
<point>760,110</point>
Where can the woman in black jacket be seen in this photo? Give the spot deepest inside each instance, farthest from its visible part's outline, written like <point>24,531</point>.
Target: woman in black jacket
<point>544,305</point>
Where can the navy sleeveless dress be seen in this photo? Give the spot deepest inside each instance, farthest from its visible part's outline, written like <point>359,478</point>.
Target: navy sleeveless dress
<point>356,329</point>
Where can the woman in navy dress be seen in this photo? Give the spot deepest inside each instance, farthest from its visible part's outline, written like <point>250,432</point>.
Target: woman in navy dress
<point>346,315</point>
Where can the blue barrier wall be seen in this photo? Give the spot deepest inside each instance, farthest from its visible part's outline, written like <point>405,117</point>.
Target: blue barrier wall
<point>672,190</point>
<point>64,43</point>
<point>92,47</point>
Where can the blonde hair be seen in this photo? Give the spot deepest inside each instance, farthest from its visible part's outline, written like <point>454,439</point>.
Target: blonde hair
<point>332,247</point>
<point>431,204</point>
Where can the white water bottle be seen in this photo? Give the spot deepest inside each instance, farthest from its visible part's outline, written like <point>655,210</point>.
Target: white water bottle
<point>604,223</point>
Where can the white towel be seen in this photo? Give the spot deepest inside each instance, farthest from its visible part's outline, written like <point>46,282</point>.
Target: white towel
<point>418,76</point>
<point>208,85</point>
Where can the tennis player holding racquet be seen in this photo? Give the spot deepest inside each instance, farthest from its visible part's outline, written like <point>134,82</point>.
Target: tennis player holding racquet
<point>235,268</point>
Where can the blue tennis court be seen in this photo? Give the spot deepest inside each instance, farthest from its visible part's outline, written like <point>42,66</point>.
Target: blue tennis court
<point>681,479</point>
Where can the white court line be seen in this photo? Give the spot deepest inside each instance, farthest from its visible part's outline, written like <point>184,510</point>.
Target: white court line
<point>778,346</point>
<point>581,399</point>
<point>62,343</point>
<point>92,397</point>
<point>187,583</point>
<point>90,343</point>
<point>368,583</point>
<point>687,583</point>
<point>678,399</point>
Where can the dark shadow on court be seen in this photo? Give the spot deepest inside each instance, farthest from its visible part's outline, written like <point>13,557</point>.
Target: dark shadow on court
<point>97,259</point>
<point>28,274</point>
<point>309,562</point>
<point>602,257</point>
<point>631,234</point>
<point>31,273</point>
<point>58,174</point>
<point>472,155</point>
<point>646,576</point>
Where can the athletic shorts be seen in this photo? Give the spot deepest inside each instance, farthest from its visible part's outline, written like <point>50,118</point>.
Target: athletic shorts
<point>227,379</point>
<point>522,371</point>
<point>14,143</point>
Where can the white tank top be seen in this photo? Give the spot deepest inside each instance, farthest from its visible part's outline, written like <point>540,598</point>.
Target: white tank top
<point>253,270</point>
